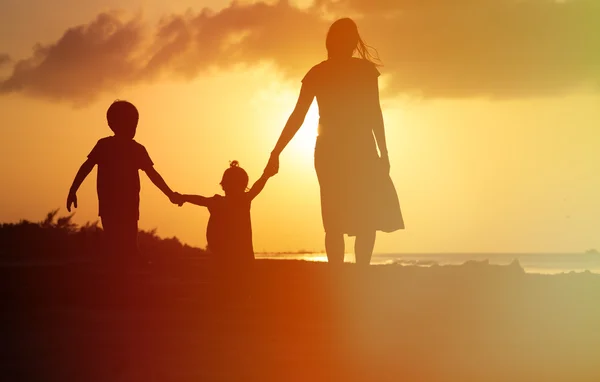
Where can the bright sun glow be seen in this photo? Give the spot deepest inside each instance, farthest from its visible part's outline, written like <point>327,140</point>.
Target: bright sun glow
<point>304,141</point>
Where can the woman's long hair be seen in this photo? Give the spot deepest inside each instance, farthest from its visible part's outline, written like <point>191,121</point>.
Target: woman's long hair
<point>343,39</point>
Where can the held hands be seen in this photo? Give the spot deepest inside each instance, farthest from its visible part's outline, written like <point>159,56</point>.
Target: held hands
<point>272,166</point>
<point>71,199</point>
<point>177,198</point>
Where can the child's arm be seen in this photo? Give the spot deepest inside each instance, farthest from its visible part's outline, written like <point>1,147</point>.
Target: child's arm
<point>258,186</point>
<point>83,172</point>
<point>160,182</point>
<point>196,199</point>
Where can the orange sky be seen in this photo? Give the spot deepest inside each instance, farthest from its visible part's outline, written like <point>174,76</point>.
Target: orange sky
<point>493,136</point>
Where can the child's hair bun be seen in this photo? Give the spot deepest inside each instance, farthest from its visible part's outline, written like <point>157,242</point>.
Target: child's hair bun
<point>234,178</point>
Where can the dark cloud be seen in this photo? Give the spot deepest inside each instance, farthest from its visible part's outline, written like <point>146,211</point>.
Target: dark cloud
<point>490,48</point>
<point>432,48</point>
<point>240,34</point>
<point>85,61</point>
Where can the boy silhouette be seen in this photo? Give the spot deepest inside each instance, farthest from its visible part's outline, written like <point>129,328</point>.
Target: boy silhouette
<point>119,157</point>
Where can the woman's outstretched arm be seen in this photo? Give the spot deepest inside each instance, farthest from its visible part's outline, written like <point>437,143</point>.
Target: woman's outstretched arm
<point>292,126</point>
<point>258,186</point>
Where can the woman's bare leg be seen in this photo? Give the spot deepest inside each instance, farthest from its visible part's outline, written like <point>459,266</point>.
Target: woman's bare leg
<point>363,247</point>
<point>334,246</point>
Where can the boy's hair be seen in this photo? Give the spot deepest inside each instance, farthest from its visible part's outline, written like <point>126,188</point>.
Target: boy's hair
<point>122,115</point>
<point>234,178</point>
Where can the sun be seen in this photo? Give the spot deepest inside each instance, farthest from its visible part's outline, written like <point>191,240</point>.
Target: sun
<point>304,141</point>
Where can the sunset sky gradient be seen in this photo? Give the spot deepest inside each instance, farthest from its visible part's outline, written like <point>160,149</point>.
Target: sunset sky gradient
<point>492,111</point>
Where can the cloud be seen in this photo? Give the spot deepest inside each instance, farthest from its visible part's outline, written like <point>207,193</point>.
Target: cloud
<point>4,59</point>
<point>501,49</point>
<point>85,61</point>
<point>430,48</point>
<point>240,34</point>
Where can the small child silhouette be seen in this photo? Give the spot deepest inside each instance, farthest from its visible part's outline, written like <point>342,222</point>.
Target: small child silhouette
<point>119,157</point>
<point>229,230</point>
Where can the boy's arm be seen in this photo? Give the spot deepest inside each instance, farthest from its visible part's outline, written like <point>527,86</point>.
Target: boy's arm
<point>159,182</point>
<point>83,172</point>
<point>258,186</point>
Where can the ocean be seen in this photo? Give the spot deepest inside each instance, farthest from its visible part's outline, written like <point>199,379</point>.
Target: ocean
<point>553,263</point>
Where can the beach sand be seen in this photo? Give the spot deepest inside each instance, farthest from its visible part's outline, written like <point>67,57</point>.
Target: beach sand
<point>304,321</point>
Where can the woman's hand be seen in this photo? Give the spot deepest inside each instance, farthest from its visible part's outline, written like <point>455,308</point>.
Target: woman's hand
<point>272,166</point>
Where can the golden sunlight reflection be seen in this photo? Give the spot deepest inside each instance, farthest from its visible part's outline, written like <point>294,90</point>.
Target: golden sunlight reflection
<point>320,257</point>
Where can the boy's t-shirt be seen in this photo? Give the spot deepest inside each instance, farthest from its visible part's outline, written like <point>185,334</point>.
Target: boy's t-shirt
<point>118,182</point>
<point>229,230</point>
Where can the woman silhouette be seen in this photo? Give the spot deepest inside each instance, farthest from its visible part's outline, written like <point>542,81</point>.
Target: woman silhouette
<point>357,195</point>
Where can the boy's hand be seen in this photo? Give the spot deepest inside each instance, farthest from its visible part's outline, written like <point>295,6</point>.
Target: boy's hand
<point>71,199</point>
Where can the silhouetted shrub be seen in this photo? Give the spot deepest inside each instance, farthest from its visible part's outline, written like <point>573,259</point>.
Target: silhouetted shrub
<point>58,237</point>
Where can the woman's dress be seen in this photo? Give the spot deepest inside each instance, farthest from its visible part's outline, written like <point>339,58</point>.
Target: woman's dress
<point>357,194</point>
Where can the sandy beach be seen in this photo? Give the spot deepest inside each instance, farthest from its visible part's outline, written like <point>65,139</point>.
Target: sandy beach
<point>304,321</point>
